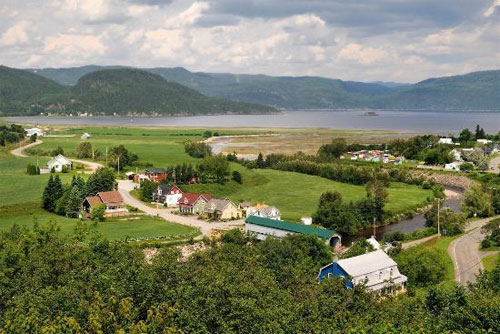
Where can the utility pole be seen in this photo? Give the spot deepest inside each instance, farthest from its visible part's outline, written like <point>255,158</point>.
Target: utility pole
<point>118,164</point>
<point>439,231</point>
<point>106,156</point>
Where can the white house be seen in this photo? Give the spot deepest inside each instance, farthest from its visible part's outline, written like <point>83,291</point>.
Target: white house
<point>484,141</point>
<point>375,244</point>
<point>85,136</point>
<point>169,195</point>
<point>452,166</point>
<point>264,211</point>
<point>58,162</point>
<point>33,131</point>
<point>457,155</point>
<point>375,269</point>
<point>448,141</point>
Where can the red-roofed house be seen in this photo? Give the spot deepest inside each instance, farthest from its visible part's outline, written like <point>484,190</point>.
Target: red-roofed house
<point>111,199</point>
<point>193,203</point>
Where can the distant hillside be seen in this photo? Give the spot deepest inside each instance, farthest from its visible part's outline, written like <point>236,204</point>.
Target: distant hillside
<point>474,91</point>
<point>127,91</point>
<point>19,89</point>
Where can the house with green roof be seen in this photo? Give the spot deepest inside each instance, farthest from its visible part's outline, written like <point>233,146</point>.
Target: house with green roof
<point>264,227</point>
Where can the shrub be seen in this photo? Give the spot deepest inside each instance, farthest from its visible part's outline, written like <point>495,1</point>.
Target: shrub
<point>237,177</point>
<point>97,213</point>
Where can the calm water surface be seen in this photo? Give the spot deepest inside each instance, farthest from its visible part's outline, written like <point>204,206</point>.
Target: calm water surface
<point>442,122</point>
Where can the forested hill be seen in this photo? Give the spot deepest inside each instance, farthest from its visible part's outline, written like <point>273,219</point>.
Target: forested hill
<point>121,91</point>
<point>18,87</point>
<point>474,91</point>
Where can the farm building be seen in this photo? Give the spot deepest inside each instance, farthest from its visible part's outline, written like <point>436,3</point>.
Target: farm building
<point>168,195</point>
<point>193,203</point>
<point>85,136</point>
<point>34,131</point>
<point>115,206</point>
<point>264,227</point>
<point>58,162</point>
<point>375,269</point>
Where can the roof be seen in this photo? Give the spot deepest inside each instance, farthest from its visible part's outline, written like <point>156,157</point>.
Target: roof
<point>59,158</point>
<point>366,263</point>
<point>156,170</point>
<point>188,198</point>
<point>217,204</point>
<point>165,188</point>
<point>110,196</point>
<point>94,200</point>
<point>291,227</point>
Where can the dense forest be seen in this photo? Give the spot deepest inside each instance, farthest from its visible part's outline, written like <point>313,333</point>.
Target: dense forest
<point>122,91</point>
<point>86,284</point>
<point>473,91</point>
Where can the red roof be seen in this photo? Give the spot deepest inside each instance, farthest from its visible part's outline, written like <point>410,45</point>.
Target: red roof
<point>191,198</point>
<point>94,201</point>
<point>110,196</point>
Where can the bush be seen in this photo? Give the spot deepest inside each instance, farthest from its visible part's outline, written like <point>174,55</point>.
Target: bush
<point>237,177</point>
<point>97,213</point>
<point>422,266</point>
<point>197,149</point>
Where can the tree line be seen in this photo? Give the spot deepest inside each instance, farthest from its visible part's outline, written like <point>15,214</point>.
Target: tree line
<point>11,134</point>
<point>86,284</point>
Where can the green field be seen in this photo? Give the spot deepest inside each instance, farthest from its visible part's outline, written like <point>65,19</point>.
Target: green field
<point>295,194</point>
<point>490,261</point>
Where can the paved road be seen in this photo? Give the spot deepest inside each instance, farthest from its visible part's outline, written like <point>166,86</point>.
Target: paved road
<point>18,152</point>
<point>465,254</point>
<point>125,186</point>
<point>495,164</point>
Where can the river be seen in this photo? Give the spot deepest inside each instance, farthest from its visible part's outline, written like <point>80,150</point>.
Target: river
<point>453,201</point>
<point>435,121</point>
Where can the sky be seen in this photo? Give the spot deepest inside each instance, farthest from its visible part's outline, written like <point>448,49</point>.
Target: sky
<point>362,40</point>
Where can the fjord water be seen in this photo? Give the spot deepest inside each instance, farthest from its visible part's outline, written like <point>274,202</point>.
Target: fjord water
<point>435,121</point>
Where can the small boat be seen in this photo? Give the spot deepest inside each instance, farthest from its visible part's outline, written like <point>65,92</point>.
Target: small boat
<point>370,113</point>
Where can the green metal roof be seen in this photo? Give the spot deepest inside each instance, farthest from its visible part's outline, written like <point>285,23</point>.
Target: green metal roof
<point>292,227</point>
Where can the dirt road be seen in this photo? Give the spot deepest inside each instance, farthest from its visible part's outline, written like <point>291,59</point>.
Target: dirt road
<point>92,165</point>
<point>495,165</point>
<point>18,152</point>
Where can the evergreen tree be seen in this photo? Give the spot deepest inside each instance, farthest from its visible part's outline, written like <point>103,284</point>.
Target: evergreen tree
<point>74,202</point>
<point>260,161</point>
<point>47,199</point>
<point>58,189</point>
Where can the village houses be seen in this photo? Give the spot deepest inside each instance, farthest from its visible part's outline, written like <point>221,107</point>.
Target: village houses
<point>193,204</point>
<point>221,209</point>
<point>264,211</point>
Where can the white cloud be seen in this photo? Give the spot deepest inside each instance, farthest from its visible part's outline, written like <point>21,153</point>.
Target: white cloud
<point>365,55</point>
<point>16,34</point>
<point>74,45</point>
<point>488,12</point>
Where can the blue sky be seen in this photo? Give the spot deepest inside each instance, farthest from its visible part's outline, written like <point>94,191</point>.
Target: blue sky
<point>365,40</point>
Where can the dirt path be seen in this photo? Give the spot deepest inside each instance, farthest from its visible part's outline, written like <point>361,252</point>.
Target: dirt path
<point>125,186</point>
<point>465,254</point>
<point>18,152</point>
<point>92,165</point>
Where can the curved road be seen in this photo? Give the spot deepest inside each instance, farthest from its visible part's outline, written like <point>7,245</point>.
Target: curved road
<point>125,186</point>
<point>465,254</point>
<point>495,165</point>
<point>18,152</point>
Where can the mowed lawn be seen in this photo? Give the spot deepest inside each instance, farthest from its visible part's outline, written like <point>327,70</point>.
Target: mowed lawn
<point>297,195</point>
<point>20,203</point>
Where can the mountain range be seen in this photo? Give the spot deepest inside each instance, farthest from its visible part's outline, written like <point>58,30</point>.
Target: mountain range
<point>158,91</point>
<point>119,91</point>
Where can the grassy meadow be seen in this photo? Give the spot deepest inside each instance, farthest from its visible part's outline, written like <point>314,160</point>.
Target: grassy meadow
<point>295,194</point>
<point>490,261</point>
